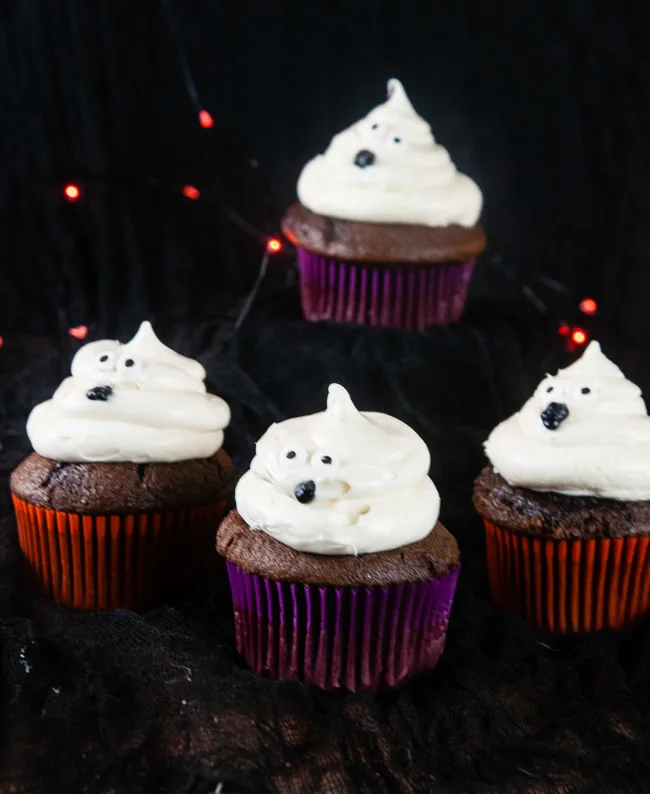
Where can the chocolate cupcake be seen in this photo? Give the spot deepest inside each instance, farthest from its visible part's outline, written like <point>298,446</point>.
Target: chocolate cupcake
<point>385,227</point>
<point>566,501</point>
<point>341,574</point>
<point>117,506</point>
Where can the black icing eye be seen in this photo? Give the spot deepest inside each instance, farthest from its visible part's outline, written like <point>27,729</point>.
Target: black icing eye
<point>127,364</point>
<point>585,390</point>
<point>106,361</point>
<point>291,454</point>
<point>375,126</point>
<point>397,140</point>
<point>325,460</point>
<point>550,389</point>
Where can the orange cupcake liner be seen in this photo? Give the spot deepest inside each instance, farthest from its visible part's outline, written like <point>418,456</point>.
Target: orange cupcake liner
<point>569,586</point>
<point>117,561</point>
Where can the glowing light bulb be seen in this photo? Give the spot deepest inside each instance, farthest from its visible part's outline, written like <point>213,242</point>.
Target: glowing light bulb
<point>206,120</point>
<point>190,192</point>
<point>71,192</point>
<point>273,246</point>
<point>79,331</point>
<point>564,330</point>
<point>578,336</point>
<point>2,341</point>
<point>588,306</point>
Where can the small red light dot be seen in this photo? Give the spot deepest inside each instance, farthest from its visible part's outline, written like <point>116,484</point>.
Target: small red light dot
<point>190,192</point>
<point>79,331</point>
<point>564,330</point>
<point>579,336</point>
<point>71,192</point>
<point>588,306</point>
<point>205,120</point>
<point>273,246</point>
<point>2,341</point>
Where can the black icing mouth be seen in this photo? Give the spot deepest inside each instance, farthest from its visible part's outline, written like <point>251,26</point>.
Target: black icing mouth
<point>364,158</point>
<point>305,492</point>
<point>553,415</point>
<point>101,393</point>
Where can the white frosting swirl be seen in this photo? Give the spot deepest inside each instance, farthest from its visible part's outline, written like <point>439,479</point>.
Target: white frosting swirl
<point>600,446</point>
<point>138,402</point>
<point>362,479</point>
<point>412,179</point>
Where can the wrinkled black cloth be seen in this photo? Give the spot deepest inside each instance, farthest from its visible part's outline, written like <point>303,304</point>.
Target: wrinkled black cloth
<point>127,703</point>
<point>545,104</point>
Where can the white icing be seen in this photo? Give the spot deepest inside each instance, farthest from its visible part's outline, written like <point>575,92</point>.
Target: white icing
<point>375,494</point>
<point>602,448</point>
<point>412,179</point>
<point>157,411</point>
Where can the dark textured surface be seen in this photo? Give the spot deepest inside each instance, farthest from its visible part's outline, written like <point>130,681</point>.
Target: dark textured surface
<point>117,488</point>
<point>388,243</point>
<point>557,515</point>
<point>161,702</point>
<point>547,106</point>
<point>260,554</point>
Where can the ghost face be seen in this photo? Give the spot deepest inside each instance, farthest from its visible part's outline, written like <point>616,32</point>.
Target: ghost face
<point>313,462</point>
<point>107,366</point>
<point>390,135</point>
<point>383,139</point>
<point>569,398</point>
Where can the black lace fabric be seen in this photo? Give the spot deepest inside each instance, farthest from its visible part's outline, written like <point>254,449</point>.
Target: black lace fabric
<point>119,703</point>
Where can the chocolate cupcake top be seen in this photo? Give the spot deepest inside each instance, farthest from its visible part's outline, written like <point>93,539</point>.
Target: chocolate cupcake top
<point>137,402</point>
<point>584,432</point>
<point>340,482</point>
<point>388,168</point>
<point>257,553</point>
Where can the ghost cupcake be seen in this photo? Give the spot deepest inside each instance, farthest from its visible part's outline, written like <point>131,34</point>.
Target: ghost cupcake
<point>385,227</point>
<point>118,504</point>
<point>566,501</point>
<point>341,574</point>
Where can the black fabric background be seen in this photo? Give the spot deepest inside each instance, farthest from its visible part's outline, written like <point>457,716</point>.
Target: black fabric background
<point>547,106</point>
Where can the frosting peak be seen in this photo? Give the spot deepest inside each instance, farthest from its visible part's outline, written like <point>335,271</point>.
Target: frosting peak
<point>340,482</point>
<point>136,402</point>
<point>584,432</point>
<point>387,168</point>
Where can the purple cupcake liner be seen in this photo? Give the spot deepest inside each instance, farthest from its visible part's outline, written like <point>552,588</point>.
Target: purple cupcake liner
<point>355,639</point>
<point>408,296</point>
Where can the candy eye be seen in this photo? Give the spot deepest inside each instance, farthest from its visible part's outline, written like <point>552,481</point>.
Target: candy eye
<point>375,128</point>
<point>106,361</point>
<point>324,460</point>
<point>292,456</point>
<point>128,365</point>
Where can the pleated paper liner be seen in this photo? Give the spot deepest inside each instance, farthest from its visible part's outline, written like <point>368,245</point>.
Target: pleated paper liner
<point>408,296</point>
<point>341,638</point>
<point>569,586</point>
<point>119,561</point>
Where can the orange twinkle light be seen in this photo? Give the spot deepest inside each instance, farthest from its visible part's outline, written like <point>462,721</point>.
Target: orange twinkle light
<point>190,192</point>
<point>578,336</point>
<point>564,330</point>
<point>79,331</point>
<point>273,246</point>
<point>71,192</point>
<point>588,306</point>
<point>206,120</point>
